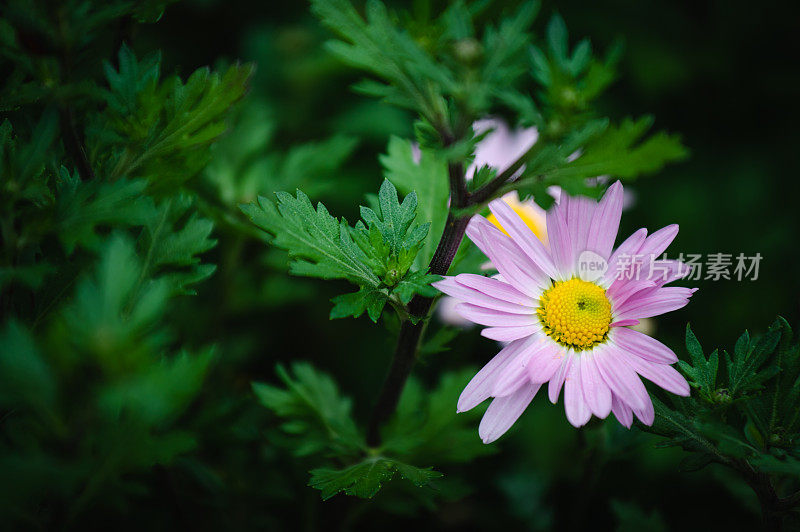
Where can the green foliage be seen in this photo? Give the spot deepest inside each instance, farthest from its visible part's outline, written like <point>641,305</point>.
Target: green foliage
<point>319,244</point>
<point>745,414</point>
<point>117,181</point>
<point>171,241</point>
<point>317,422</point>
<point>425,425</point>
<point>317,415</point>
<point>412,77</point>
<point>246,162</point>
<point>452,75</point>
<point>365,479</point>
<point>376,254</point>
<point>84,208</point>
<point>102,236</point>
<point>428,178</point>
<point>621,152</point>
<point>112,330</point>
<point>165,127</point>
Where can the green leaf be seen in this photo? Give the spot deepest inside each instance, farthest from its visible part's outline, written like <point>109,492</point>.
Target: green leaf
<point>746,373</point>
<point>393,219</point>
<point>376,254</point>
<point>83,209</point>
<point>367,300</point>
<point>170,242</point>
<point>25,377</point>
<point>23,163</point>
<point>319,418</point>
<point>318,244</point>
<point>427,428</point>
<point>161,129</point>
<point>161,392</point>
<point>244,164</point>
<point>115,313</point>
<point>413,78</point>
<point>622,151</point>
<point>680,429</point>
<point>702,372</point>
<point>366,478</point>
<point>428,179</point>
<point>416,283</point>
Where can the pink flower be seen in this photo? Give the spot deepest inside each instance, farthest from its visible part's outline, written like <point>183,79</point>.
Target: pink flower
<point>502,146</point>
<point>565,325</point>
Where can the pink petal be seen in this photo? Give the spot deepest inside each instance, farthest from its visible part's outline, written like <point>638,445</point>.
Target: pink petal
<point>658,242</point>
<point>514,374</point>
<point>595,390</point>
<point>643,346</point>
<point>625,323</point>
<point>544,363</point>
<point>507,334</point>
<point>480,387</point>
<point>503,260</point>
<point>605,222</point>
<point>578,213</point>
<point>557,380</point>
<point>622,412</point>
<point>624,289</point>
<point>620,377</point>
<point>484,316</point>
<point>504,411</point>
<point>494,287</point>
<point>627,250</point>
<point>666,271</point>
<point>656,303</point>
<point>478,226</point>
<point>523,236</point>
<point>660,374</point>
<point>578,412</point>
<point>645,414</point>
<point>560,243</point>
<point>452,288</point>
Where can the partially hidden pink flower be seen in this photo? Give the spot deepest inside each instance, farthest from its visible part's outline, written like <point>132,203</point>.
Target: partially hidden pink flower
<point>502,146</point>
<point>565,327</point>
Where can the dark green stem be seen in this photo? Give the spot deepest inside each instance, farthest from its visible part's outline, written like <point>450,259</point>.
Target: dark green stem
<point>405,353</point>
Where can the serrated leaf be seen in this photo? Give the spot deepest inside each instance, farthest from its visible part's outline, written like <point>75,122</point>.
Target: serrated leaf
<point>84,208</point>
<point>170,244</point>
<point>622,151</point>
<point>393,219</point>
<point>312,398</point>
<point>318,244</point>
<point>428,179</point>
<point>702,372</point>
<point>365,479</point>
<point>161,129</point>
<point>746,371</point>
<point>355,304</point>
<point>416,283</point>
<point>116,309</point>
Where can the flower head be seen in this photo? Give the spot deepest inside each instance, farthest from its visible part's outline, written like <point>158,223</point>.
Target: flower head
<point>567,324</point>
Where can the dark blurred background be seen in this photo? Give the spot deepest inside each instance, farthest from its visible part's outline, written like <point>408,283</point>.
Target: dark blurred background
<point>722,74</point>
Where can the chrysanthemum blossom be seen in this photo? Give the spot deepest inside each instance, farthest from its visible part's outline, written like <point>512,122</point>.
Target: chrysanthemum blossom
<point>564,324</point>
<point>533,216</point>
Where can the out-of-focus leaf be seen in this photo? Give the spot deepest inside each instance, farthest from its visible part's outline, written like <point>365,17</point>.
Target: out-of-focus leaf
<point>366,478</point>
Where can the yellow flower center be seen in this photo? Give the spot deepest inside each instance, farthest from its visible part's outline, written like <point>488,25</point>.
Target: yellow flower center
<point>529,216</point>
<point>575,313</point>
